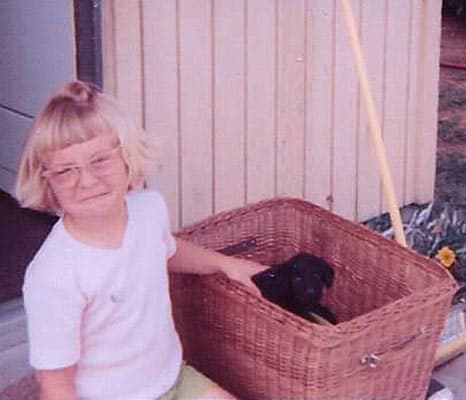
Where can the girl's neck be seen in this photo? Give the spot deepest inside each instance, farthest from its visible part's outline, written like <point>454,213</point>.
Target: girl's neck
<point>104,230</point>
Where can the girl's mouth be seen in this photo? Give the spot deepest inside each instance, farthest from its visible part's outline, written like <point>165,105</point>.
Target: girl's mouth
<point>94,196</point>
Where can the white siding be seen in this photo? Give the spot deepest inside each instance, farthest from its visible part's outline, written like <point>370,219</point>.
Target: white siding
<point>36,55</point>
<point>36,52</point>
<point>13,127</point>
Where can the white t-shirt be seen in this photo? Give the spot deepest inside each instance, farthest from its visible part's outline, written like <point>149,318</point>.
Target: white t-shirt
<point>108,310</point>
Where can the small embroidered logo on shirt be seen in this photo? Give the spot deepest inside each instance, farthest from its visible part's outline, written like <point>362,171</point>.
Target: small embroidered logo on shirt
<point>117,297</point>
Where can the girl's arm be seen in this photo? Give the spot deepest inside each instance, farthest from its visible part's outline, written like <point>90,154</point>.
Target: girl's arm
<point>57,384</point>
<point>190,258</point>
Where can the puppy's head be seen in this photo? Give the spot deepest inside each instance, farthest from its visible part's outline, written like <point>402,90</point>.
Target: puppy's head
<point>273,282</point>
<point>309,276</point>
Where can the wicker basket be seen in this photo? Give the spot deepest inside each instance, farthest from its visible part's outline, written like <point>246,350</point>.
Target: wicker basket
<point>391,304</point>
<point>453,336</point>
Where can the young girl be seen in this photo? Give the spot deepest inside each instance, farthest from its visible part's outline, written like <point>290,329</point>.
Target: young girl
<point>96,293</point>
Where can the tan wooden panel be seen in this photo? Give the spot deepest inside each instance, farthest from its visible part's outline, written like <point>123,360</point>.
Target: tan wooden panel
<point>345,120</point>
<point>413,99</point>
<point>128,57</point>
<point>108,47</point>
<point>290,97</point>
<point>319,100</point>
<point>426,143</point>
<point>195,50</point>
<point>396,83</point>
<point>277,83</point>
<point>229,104</point>
<point>261,74</point>
<point>161,97</point>
<point>368,175</point>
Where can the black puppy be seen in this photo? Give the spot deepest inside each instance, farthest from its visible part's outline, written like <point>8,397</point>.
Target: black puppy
<point>297,285</point>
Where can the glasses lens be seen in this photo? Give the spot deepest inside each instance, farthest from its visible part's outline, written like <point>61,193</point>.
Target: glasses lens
<point>100,165</point>
<point>64,177</point>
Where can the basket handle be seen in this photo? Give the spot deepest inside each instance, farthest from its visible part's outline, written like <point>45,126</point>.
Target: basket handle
<point>238,247</point>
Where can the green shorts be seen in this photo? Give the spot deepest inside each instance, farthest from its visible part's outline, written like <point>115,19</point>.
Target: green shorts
<point>190,384</point>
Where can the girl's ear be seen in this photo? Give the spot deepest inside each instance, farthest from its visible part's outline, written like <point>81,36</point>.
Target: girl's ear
<point>128,175</point>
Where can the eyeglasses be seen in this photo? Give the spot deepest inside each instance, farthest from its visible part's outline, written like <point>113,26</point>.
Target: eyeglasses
<point>99,165</point>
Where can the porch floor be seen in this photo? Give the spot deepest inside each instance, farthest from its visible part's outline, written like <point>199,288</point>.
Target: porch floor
<point>453,376</point>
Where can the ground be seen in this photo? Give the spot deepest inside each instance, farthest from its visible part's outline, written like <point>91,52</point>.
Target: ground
<point>451,154</point>
<point>450,182</point>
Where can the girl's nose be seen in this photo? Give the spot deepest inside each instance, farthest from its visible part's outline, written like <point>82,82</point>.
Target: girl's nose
<point>86,178</point>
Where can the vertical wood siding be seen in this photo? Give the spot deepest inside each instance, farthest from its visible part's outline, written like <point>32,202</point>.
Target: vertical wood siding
<point>229,96</point>
<point>253,99</point>
<point>372,33</point>
<point>345,118</point>
<point>260,103</point>
<point>319,95</point>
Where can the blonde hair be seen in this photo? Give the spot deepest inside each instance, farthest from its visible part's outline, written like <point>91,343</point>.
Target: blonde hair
<point>74,114</point>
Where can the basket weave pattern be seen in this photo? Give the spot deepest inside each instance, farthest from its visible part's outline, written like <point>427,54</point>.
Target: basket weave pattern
<point>391,304</point>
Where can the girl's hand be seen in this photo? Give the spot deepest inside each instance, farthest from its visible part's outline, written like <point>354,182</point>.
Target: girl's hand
<point>242,270</point>
<point>193,259</point>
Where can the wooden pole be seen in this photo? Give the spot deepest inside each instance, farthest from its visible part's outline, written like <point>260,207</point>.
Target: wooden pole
<point>373,123</point>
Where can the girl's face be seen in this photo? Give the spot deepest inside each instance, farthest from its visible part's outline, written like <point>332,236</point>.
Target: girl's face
<point>89,179</point>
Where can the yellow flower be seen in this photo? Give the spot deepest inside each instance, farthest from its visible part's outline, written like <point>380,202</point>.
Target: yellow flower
<point>446,256</point>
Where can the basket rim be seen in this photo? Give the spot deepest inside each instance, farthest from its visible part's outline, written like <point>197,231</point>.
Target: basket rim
<point>354,228</point>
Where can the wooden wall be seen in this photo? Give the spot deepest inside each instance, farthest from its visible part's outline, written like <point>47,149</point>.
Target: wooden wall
<point>258,98</point>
